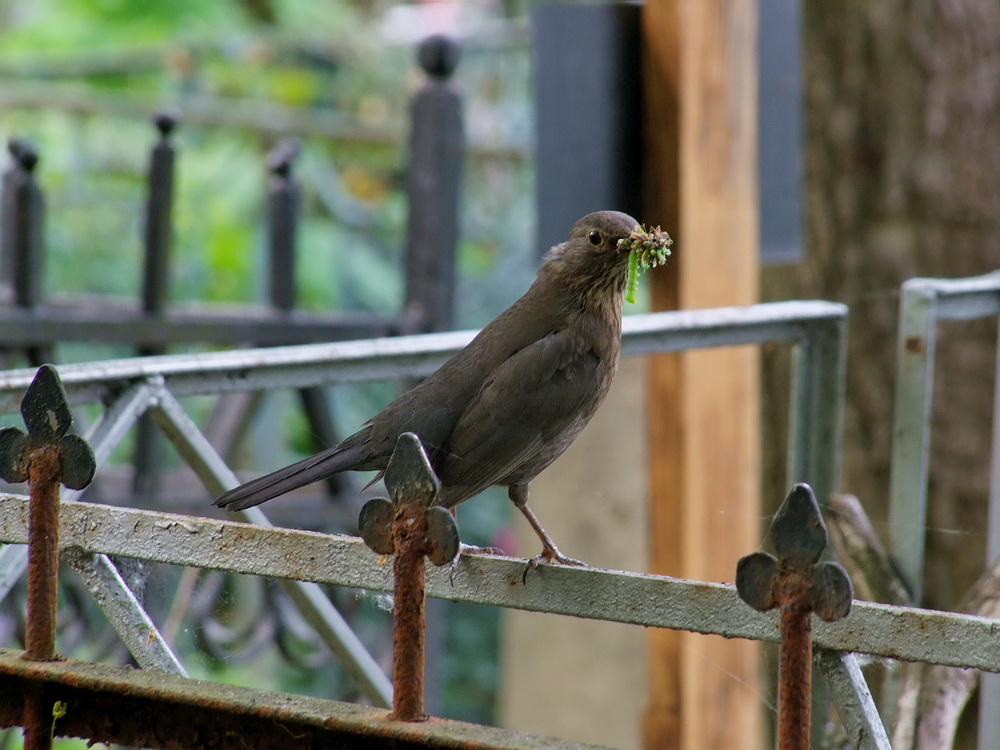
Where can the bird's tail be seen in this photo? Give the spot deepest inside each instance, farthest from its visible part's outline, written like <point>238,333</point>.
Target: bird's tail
<point>256,491</point>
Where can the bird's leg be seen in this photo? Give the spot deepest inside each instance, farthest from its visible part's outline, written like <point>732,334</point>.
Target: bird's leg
<point>518,493</point>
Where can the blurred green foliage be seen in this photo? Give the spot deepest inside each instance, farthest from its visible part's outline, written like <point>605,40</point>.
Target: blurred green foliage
<point>348,61</point>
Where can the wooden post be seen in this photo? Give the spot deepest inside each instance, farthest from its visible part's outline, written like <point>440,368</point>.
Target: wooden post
<point>699,70</point>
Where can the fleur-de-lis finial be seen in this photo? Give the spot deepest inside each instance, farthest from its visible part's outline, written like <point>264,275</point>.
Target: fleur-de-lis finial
<point>47,417</point>
<point>798,584</point>
<point>411,482</point>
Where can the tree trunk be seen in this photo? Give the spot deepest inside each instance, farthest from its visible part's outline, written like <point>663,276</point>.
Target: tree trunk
<point>902,169</point>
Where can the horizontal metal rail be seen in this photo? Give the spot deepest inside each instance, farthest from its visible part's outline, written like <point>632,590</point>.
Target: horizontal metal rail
<point>207,111</point>
<point>410,356</point>
<point>124,325</point>
<point>961,299</point>
<point>905,633</point>
<point>147,708</point>
<point>816,327</point>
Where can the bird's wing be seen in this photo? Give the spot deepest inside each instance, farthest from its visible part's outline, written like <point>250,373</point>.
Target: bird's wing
<point>528,401</point>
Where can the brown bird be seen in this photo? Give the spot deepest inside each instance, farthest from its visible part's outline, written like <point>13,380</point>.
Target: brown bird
<point>507,405</point>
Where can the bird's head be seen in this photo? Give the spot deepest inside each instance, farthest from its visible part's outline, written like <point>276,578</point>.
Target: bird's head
<point>590,262</point>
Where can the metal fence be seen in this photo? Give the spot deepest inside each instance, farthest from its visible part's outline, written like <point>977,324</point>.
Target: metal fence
<point>924,303</point>
<point>304,560</point>
<point>33,325</point>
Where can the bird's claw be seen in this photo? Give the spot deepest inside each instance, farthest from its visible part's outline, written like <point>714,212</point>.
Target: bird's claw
<point>550,555</point>
<point>469,549</point>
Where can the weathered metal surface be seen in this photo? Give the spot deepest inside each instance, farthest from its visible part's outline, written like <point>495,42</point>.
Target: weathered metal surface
<point>769,322</point>
<point>311,601</point>
<point>115,323</point>
<point>154,383</point>
<point>409,531</point>
<point>412,536</point>
<point>44,457</point>
<point>147,708</point>
<point>962,299</point>
<point>124,612</point>
<point>314,605</point>
<point>905,633</point>
<point>923,304</point>
<point>47,455</point>
<point>43,555</point>
<point>283,209</point>
<point>816,413</point>
<point>911,434</point>
<point>850,694</point>
<point>410,356</point>
<point>105,435</point>
<point>434,174</point>
<point>796,584</point>
<point>817,328</point>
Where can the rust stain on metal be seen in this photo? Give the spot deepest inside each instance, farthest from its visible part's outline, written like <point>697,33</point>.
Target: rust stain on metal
<point>798,586</point>
<point>409,530</point>
<point>795,670</point>
<point>37,730</point>
<point>47,455</point>
<point>413,528</point>
<point>150,709</point>
<point>43,553</point>
<point>915,344</point>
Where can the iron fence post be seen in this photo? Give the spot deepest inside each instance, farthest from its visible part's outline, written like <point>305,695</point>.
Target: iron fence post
<point>433,179</point>
<point>157,244</point>
<point>915,349</point>
<point>411,527</point>
<point>815,432</point>
<point>798,586</point>
<point>283,215</point>
<point>158,232</point>
<point>283,207</point>
<point>22,237</point>
<point>47,455</point>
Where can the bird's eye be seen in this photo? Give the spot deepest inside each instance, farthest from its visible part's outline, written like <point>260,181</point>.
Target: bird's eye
<point>595,238</point>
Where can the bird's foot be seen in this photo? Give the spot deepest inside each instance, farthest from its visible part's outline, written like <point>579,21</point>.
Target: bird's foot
<point>469,549</point>
<point>550,554</point>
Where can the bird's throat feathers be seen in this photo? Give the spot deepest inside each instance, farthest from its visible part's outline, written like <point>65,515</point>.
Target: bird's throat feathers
<point>593,280</point>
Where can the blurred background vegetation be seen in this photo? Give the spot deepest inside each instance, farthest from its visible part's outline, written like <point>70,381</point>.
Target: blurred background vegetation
<point>82,79</point>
